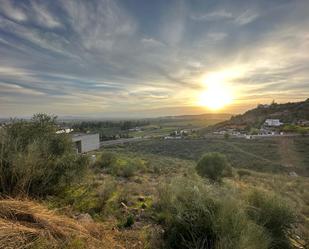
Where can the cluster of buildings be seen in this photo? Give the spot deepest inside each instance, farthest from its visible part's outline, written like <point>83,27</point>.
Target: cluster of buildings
<point>269,128</point>
<point>179,134</point>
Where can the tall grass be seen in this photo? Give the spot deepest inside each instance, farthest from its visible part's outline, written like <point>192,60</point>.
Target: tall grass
<point>196,216</point>
<point>274,215</point>
<point>27,224</point>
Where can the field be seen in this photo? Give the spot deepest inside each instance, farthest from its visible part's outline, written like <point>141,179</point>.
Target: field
<point>164,126</point>
<point>259,154</point>
<point>256,164</point>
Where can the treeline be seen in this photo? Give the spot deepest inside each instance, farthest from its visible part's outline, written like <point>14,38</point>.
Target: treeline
<point>85,126</point>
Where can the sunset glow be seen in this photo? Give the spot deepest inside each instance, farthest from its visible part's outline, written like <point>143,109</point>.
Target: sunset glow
<point>217,93</point>
<point>215,97</point>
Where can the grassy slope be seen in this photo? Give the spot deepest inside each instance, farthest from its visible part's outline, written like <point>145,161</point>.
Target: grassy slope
<point>146,180</point>
<point>259,154</point>
<point>288,113</point>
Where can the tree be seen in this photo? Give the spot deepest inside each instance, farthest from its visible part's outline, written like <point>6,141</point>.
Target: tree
<point>212,165</point>
<point>226,136</point>
<point>35,160</point>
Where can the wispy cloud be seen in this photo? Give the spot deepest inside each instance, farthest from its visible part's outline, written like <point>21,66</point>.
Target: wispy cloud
<point>43,16</point>
<point>14,12</point>
<point>246,17</point>
<point>212,16</point>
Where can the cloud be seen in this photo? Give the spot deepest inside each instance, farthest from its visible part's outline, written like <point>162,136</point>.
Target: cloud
<point>246,17</point>
<point>212,16</point>
<point>43,16</point>
<point>16,89</point>
<point>103,27</point>
<point>46,40</point>
<point>239,18</point>
<point>13,12</point>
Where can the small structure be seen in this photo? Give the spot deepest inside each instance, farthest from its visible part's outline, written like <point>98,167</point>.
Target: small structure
<point>263,106</point>
<point>64,130</point>
<point>303,122</point>
<point>86,142</point>
<point>272,122</point>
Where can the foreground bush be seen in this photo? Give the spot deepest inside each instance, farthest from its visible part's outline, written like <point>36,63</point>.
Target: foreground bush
<point>35,160</point>
<point>212,165</point>
<point>274,215</point>
<point>196,217</point>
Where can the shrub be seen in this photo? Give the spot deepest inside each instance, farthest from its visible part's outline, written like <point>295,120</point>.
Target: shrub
<point>106,191</point>
<point>105,160</point>
<point>212,165</point>
<point>126,222</point>
<point>129,221</point>
<point>35,160</point>
<point>243,172</point>
<point>274,215</point>
<point>196,217</point>
<point>126,167</point>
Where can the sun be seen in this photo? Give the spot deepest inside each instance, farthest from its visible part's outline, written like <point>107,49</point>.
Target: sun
<point>217,94</point>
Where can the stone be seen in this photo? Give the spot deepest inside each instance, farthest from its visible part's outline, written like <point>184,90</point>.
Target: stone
<point>141,198</point>
<point>84,218</point>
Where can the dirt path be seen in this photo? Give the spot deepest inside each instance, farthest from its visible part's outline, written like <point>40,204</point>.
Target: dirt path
<point>288,153</point>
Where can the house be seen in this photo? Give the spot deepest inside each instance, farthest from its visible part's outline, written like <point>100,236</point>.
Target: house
<point>266,132</point>
<point>86,142</point>
<point>172,137</point>
<point>136,129</point>
<point>303,122</point>
<point>272,122</point>
<point>64,130</point>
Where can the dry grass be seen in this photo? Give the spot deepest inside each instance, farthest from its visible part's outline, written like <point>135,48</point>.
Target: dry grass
<point>27,224</point>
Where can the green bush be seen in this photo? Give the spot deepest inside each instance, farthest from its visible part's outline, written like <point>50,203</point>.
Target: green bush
<point>274,215</point>
<point>106,191</point>
<point>212,165</point>
<point>194,216</point>
<point>35,160</point>
<point>126,167</point>
<point>129,221</point>
<point>106,159</point>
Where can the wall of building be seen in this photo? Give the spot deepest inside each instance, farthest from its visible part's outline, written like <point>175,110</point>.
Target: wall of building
<point>89,142</point>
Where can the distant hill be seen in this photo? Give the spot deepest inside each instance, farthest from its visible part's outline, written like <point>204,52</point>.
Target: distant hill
<point>287,113</point>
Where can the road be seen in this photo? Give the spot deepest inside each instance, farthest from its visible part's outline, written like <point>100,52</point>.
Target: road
<point>120,141</point>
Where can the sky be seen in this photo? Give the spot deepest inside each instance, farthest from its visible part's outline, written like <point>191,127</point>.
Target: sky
<point>113,58</point>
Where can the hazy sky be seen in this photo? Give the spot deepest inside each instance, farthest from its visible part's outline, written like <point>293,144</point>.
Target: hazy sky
<point>137,57</point>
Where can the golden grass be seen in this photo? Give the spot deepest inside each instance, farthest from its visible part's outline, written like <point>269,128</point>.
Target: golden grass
<point>24,223</point>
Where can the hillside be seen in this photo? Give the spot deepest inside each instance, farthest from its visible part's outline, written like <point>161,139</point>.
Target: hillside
<point>287,113</point>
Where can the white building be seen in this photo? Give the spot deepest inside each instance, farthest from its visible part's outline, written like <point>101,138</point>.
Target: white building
<point>86,142</point>
<point>272,122</point>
